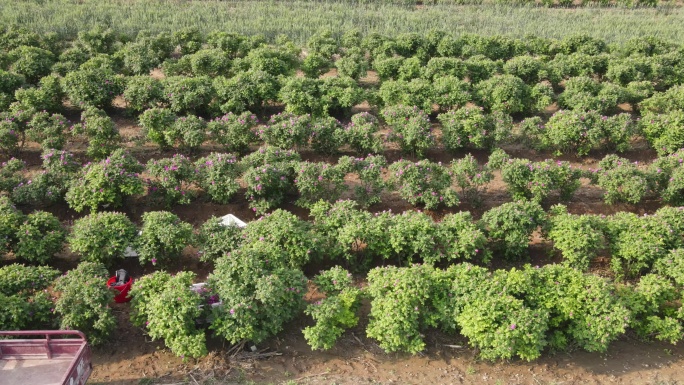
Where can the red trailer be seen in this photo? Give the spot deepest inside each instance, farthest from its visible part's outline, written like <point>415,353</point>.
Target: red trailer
<point>52,360</point>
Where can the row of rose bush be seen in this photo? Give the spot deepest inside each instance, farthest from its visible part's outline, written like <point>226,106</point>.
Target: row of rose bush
<point>409,128</point>
<point>100,237</point>
<point>576,131</point>
<point>252,90</point>
<point>343,233</point>
<point>271,175</point>
<point>445,88</point>
<point>504,313</point>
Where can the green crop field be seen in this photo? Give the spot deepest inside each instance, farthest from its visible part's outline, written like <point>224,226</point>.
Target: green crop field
<point>510,178</point>
<point>300,19</point>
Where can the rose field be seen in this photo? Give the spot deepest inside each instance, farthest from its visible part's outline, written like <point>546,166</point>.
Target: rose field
<point>434,207</point>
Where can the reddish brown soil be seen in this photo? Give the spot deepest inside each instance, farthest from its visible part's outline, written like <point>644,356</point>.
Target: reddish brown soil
<point>132,357</point>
